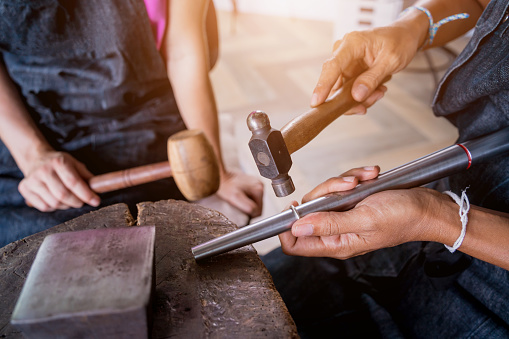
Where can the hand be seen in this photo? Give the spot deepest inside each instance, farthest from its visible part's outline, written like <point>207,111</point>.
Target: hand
<point>381,220</point>
<point>57,181</point>
<point>242,191</point>
<point>370,57</point>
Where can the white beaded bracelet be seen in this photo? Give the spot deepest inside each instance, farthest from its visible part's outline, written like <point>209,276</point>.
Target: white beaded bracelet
<point>433,27</point>
<point>464,208</point>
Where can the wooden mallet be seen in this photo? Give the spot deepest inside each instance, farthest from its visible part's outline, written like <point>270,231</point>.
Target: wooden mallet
<point>191,161</point>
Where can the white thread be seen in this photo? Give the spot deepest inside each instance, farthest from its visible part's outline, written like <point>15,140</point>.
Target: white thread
<point>464,208</point>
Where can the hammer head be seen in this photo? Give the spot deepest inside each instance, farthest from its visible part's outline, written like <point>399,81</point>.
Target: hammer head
<point>270,153</point>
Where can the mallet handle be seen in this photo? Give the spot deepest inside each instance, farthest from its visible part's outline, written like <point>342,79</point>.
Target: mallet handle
<point>130,177</point>
<point>304,128</point>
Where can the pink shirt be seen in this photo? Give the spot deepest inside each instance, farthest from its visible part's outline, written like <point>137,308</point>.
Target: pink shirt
<point>157,12</point>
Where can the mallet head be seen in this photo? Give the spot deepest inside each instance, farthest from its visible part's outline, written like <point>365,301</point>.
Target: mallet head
<point>270,153</point>
<point>194,164</point>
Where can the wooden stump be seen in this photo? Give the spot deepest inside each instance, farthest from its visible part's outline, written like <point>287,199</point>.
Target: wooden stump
<point>228,296</point>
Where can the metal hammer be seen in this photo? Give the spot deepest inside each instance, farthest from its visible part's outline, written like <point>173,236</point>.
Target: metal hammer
<point>434,166</point>
<point>271,148</point>
<point>191,161</point>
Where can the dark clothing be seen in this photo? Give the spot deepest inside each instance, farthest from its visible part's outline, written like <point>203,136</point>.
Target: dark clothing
<point>474,96</point>
<point>420,289</point>
<point>92,79</point>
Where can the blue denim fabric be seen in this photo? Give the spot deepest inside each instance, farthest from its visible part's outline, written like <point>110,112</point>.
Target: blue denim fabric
<point>399,292</point>
<point>474,95</point>
<point>92,79</point>
<point>420,290</point>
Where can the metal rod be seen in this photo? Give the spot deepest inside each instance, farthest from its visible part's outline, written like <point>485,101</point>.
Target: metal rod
<point>434,166</point>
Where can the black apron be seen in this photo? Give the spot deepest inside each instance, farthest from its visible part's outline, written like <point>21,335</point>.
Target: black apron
<point>93,81</point>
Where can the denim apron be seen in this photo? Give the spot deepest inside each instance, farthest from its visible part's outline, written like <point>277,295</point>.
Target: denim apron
<point>419,289</point>
<point>474,96</point>
<point>93,81</point>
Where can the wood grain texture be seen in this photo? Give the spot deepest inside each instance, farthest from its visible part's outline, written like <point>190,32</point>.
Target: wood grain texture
<point>228,296</point>
<point>191,161</point>
<point>194,164</point>
<point>302,129</point>
<point>130,177</point>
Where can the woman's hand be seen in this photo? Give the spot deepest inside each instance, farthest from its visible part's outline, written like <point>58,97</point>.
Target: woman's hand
<point>57,181</point>
<point>242,191</point>
<point>381,220</point>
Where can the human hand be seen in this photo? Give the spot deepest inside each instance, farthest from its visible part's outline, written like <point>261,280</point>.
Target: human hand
<point>242,191</point>
<point>57,181</point>
<point>381,220</point>
<point>369,57</point>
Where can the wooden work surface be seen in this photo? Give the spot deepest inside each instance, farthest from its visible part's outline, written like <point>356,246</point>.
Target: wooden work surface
<point>228,296</point>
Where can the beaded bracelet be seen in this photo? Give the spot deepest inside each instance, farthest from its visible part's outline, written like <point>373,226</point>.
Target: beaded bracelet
<point>433,27</point>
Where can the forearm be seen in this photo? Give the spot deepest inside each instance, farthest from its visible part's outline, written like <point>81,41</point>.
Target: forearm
<point>195,99</point>
<point>17,130</point>
<point>418,23</point>
<point>188,69</point>
<point>487,232</point>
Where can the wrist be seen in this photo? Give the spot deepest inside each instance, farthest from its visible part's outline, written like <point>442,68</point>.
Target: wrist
<point>444,220</point>
<point>416,24</point>
<point>30,154</point>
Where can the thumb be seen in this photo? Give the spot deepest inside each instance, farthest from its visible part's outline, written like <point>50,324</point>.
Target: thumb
<point>368,81</point>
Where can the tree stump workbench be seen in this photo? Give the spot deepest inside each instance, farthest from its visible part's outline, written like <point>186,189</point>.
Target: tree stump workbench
<point>227,296</point>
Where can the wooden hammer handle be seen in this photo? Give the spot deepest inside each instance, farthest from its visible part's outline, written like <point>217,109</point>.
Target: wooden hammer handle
<point>130,177</point>
<point>304,128</point>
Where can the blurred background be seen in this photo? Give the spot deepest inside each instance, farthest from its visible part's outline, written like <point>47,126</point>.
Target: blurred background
<point>270,58</point>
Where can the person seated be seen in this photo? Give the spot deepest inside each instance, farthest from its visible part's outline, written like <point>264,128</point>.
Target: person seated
<point>87,88</point>
<point>395,278</point>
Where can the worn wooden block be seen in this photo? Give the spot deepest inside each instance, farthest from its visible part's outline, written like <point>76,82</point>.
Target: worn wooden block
<point>89,284</point>
<point>228,296</point>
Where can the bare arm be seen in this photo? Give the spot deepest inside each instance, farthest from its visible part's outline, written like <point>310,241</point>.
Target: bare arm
<point>17,122</point>
<point>371,56</point>
<point>53,180</point>
<point>188,65</point>
<point>391,218</point>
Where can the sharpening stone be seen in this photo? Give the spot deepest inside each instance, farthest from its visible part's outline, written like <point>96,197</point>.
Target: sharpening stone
<point>89,284</point>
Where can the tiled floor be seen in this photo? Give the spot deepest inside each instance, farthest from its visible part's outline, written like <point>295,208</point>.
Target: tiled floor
<point>272,63</point>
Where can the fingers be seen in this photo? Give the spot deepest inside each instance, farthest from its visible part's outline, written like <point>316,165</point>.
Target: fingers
<point>336,184</point>
<point>330,75</point>
<point>368,57</point>
<point>32,199</point>
<point>370,80</point>
<point>287,239</point>
<point>328,234</point>
<point>328,224</point>
<point>57,183</point>
<point>243,192</point>
<point>246,205</point>
<point>73,178</point>
<point>361,109</point>
<point>346,181</point>
<point>345,57</point>
<point>255,192</point>
<point>363,173</point>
